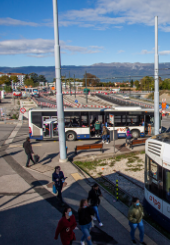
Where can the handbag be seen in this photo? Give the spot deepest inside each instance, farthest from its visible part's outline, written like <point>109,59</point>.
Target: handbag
<point>54,189</point>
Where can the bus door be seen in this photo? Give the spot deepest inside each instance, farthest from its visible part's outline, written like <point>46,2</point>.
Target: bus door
<point>46,127</point>
<point>54,127</point>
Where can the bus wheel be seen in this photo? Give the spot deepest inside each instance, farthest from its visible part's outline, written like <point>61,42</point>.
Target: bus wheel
<point>135,133</point>
<point>70,136</point>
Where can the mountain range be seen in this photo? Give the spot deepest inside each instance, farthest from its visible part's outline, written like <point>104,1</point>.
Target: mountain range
<point>105,71</point>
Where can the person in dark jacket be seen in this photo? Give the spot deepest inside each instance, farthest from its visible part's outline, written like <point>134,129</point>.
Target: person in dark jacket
<point>65,227</point>
<point>94,200</point>
<point>84,213</point>
<point>135,216</point>
<point>28,150</point>
<point>58,178</point>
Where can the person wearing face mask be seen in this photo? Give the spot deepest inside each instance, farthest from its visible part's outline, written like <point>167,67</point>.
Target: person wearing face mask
<point>58,179</point>
<point>65,227</point>
<point>135,216</point>
<point>85,221</point>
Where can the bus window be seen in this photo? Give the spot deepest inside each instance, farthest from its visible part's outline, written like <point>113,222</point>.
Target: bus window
<point>153,178</point>
<point>95,116</point>
<point>72,119</point>
<point>133,120</point>
<point>167,188</point>
<point>84,119</point>
<point>117,120</point>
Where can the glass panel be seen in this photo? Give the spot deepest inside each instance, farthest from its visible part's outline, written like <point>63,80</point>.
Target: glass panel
<point>168,185</point>
<point>117,119</point>
<point>46,127</point>
<point>54,128</point>
<point>153,177</point>
<point>132,120</point>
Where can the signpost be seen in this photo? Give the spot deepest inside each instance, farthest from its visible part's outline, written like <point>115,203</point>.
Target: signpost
<point>22,110</point>
<point>111,120</point>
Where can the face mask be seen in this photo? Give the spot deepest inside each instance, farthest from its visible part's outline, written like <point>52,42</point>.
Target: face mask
<point>63,181</point>
<point>70,213</point>
<point>85,206</point>
<point>137,204</point>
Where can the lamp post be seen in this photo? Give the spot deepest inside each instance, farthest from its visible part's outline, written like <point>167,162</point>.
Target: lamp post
<point>59,95</point>
<point>74,86</point>
<point>156,93</point>
<point>86,88</point>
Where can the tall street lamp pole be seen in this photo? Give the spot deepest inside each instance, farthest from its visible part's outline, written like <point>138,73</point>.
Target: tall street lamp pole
<point>59,95</point>
<point>156,93</point>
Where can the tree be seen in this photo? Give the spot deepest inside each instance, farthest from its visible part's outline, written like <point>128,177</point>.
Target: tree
<point>29,82</point>
<point>41,78</point>
<point>26,77</point>
<point>5,80</point>
<point>14,79</point>
<point>137,85</point>
<point>92,80</point>
<point>34,77</point>
<point>131,83</point>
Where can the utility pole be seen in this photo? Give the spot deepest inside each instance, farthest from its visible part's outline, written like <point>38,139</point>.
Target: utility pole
<point>65,84</point>
<point>86,88</point>
<point>156,93</point>
<point>69,83</point>
<point>74,86</point>
<point>59,95</point>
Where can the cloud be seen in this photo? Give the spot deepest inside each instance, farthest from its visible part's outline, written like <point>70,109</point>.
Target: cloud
<point>14,22</point>
<point>144,51</point>
<point>112,13</point>
<point>120,51</point>
<point>165,52</point>
<point>42,48</point>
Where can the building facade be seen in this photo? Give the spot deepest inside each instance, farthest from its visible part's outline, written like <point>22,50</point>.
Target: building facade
<point>20,77</point>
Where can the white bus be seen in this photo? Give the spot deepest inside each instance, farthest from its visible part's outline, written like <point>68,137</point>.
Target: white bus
<point>79,122</point>
<point>157,179</point>
<point>32,92</point>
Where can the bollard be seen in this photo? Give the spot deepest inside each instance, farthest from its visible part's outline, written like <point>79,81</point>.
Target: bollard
<point>117,190</point>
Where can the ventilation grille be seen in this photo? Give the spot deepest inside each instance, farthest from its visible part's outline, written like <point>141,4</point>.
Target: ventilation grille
<point>154,148</point>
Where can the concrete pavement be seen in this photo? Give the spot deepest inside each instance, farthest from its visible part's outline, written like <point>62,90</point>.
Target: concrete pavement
<point>30,210</point>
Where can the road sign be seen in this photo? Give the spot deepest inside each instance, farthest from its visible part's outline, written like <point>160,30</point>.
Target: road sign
<point>22,110</point>
<point>160,107</point>
<point>76,101</point>
<point>167,106</point>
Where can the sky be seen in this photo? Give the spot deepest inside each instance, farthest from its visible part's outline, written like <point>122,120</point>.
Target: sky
<point>90,31</point>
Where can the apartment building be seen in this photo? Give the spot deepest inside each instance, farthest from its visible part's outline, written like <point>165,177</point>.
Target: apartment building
<point>19,75</point>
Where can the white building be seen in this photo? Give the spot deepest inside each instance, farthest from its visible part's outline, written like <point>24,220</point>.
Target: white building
<point>19,75</point>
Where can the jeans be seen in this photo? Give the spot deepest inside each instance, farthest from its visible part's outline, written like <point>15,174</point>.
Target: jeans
<point>97,213</point>
<point>58,188</point>
<point>86,233</point>
<point>128,139</point>
<point>29,157</point>
<point>133,228</point>
<point>104,137</point>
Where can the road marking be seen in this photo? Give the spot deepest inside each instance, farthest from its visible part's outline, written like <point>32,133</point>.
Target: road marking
<point>13,145</point>
<point>13,134</point>
<point>76,176</point>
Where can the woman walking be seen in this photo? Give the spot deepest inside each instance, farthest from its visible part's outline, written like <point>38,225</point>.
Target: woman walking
<point>58,178</point>
<point>85,212</point>
<point>65,227</point>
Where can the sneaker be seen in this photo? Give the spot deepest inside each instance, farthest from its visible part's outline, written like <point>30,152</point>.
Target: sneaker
<point>142,243</point>
<point>82,243</point>
<point>134,242</point>
<point>94,218</point>
<point>107,143</point>
<point>100,224</point>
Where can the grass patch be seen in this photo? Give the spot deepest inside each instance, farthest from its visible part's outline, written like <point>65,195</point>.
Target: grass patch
<point>132,159</point>
<point>133,169</point>
<point>112,163</point>
<point>142,152</point>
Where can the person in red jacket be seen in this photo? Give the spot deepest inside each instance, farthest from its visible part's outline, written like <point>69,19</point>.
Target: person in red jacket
<point>65,227</point>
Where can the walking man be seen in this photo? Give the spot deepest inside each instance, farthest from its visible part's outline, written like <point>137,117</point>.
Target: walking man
<point>97,128</point>
<point>128,136</point>
<point>94,200</point>
<point>28,150</point>
<point>135,216</point>
<point>104,135</point>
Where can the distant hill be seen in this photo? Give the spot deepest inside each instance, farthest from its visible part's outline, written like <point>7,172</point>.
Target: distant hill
<point>122,71</point>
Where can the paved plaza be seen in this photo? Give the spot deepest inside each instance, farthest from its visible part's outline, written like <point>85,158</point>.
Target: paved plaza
<point>30,211</point>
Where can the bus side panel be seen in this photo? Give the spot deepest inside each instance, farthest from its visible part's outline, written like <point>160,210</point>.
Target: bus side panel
<point>81,132</point>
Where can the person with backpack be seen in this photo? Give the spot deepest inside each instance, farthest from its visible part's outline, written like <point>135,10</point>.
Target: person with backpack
<point>85,221</point>
<point>104,135</point>
<point>58,179</point>
<point>135,216</point>
<point>97,128</point>
<point>94,200</point>
<point>128,136</point>
<point>65,227</point>
<point>29,151</point>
